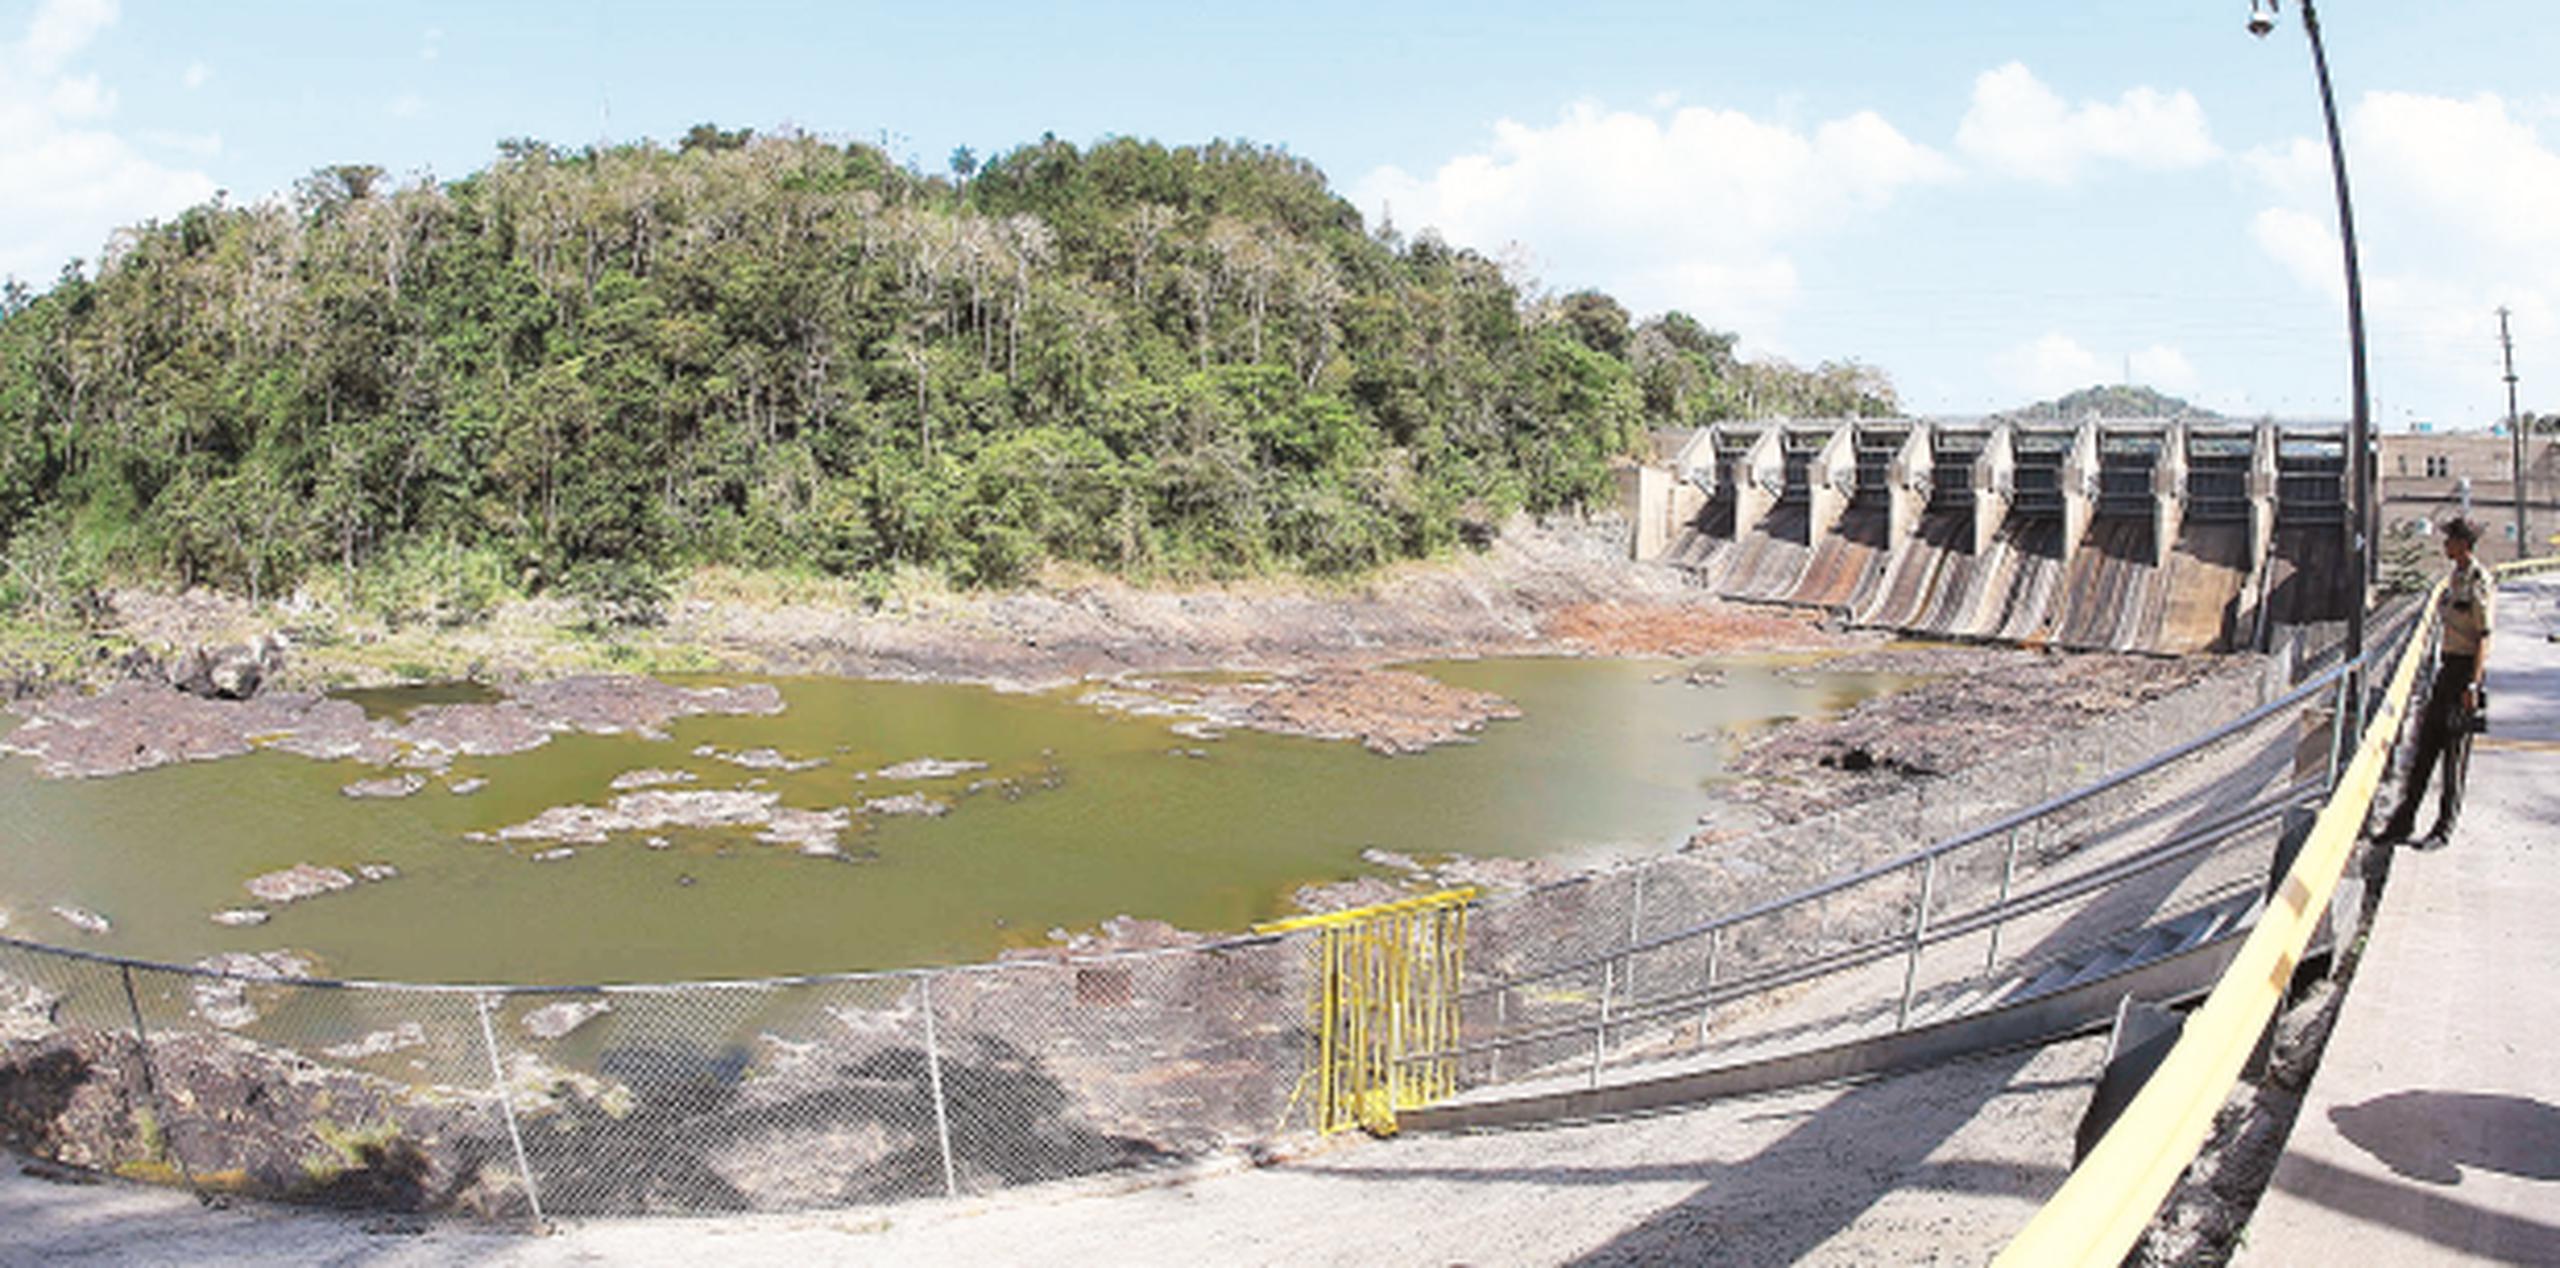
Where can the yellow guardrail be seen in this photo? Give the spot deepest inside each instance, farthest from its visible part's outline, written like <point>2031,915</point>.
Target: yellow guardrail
<point>1386,988</point>
<point>2102,1208</point>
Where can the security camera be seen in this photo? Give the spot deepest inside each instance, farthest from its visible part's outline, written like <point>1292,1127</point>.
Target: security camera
<point>2262,20</point>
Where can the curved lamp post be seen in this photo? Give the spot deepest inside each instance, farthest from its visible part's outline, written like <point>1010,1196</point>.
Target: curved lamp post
<point>2262,21</point>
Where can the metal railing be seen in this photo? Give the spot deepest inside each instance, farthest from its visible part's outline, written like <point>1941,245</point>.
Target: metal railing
<point>1648,963</point>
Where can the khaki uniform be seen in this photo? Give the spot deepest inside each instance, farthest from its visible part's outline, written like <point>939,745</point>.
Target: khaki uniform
<point>2469,597</point>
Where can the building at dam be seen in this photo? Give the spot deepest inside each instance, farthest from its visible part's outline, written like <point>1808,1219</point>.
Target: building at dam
<point>2155,535</point>
<point>2426,477</point>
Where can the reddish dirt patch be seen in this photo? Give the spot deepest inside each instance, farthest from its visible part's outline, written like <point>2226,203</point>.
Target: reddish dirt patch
<point>1686,629</point>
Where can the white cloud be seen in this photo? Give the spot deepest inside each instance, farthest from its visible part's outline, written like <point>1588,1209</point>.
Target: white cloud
<point>2049,366</point>
<point>195,75</point>
<point>431,44</point>
<point>1693,208</point>
<point>2044,368</point>
<point>197,145</point>
<point>60,29</point>
<point>2019,127</point>
<point>66,181</point>
<point>2452,199</point>
<point>2163,367</point>
<point>407,105</point>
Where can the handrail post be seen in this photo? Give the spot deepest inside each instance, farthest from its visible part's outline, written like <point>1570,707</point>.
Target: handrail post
<point>1919,932</point>
<point>1707,993</point>
<point>1600,1032</point>
<point>1635,932</point>
<point>2008,876</point>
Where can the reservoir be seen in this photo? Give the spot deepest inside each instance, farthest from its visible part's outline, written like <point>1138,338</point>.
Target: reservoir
<point>1078,814</point>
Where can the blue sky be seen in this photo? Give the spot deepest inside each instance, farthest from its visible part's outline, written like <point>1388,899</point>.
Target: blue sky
<point>1992,202</point>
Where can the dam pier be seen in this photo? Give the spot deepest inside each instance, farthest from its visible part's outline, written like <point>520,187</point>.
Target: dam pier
<point>2158,535</point>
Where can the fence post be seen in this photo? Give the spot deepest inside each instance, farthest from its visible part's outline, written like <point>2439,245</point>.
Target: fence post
<point>507,1108</point>
<point>2008,875</point>
<point>1501,1027</point>
<point>933,1074</point>
<point>1919,931</point>
<point>150,1079</point>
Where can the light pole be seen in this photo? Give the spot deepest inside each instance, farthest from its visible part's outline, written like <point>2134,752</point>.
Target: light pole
<point>2262,21</point>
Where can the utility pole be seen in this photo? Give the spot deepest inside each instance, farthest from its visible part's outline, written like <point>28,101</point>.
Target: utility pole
<point>2515,437</point>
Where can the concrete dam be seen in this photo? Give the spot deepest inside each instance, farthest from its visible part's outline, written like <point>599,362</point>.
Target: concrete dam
<point>2166,536</point>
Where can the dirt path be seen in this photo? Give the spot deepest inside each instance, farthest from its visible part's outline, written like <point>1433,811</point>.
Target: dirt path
<point>1939,1166</point>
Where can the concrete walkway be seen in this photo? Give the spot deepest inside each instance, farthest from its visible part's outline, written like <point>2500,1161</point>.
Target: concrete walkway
<point>2432,1131</point>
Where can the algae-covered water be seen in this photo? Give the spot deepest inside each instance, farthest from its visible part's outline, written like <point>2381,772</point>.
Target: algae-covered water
<point>1083,815</point>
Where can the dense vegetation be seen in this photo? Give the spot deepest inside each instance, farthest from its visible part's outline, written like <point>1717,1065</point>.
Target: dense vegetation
<point>579,369</point>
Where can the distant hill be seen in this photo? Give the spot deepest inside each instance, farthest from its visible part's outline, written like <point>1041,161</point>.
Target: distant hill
<point>2110,402</point>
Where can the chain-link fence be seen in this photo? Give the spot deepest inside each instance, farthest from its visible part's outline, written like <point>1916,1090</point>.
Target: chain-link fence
<point>510,1102</point>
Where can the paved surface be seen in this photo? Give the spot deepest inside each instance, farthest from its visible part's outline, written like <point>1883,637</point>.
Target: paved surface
<point>2432,1132</point>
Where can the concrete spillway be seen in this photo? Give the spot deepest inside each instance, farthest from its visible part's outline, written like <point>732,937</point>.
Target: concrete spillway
<point>2148,535</point>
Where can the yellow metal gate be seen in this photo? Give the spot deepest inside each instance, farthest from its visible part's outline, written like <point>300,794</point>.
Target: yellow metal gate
<point>1385,1007</point>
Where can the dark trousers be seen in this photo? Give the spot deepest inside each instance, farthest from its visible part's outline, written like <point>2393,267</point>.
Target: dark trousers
<point>2437,738</point>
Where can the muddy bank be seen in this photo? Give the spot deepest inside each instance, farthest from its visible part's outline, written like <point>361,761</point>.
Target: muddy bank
<point>136,726</point>
<point>1563,586</point>
<point>1539,588</point>
<point>1979,704</point>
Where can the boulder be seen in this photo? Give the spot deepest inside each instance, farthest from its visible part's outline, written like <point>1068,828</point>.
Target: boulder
<point>83,919</point>
<point>295,883</point>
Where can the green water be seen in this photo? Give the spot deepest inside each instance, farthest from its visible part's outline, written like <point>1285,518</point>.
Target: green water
<point>1604,761</point>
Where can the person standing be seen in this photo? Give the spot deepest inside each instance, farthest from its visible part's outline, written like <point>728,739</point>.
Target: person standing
<point>2453,699</point>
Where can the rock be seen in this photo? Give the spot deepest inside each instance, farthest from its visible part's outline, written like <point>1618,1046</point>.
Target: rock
<point>466,787</point>
<point>377,872</point>
<point>650,778</point>
<point>223,673</point>
<point>760,759</point>
<point>241,917</point>
<point>83,919</point>
<point>926,768</point>
<point>554,1021</point>
<point>813,831</point>
<point>659,843</point>
<point>906,804</point>
<point>226,1000</point>
<point>295,883</point>
<point>554,855</point>
<point>390,786</point>
<point>236,674</point>
<point>407,1034</point>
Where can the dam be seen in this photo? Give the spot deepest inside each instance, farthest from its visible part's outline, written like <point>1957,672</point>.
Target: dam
<point>2159,535</point>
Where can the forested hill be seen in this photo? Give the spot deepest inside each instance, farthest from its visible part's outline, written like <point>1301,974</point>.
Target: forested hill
<point>2122,401</point>
<point>583,368</point>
